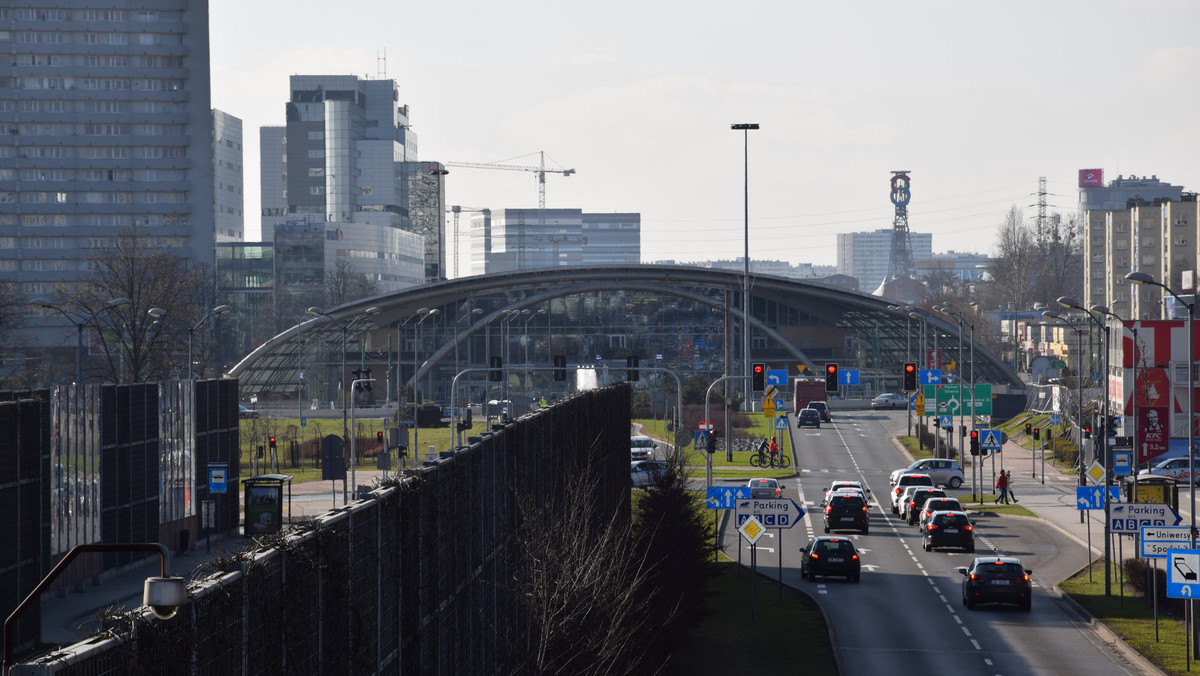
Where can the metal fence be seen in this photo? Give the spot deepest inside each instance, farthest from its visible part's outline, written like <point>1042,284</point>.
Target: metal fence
<point>420,578</point>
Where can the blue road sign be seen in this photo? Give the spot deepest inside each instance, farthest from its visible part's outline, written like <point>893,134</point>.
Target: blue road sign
<point>726,497</point>
<point>1130,517</point>
<point>1183,573</point>
<point>1089,497</point>
<point>931,376</point>
<point>700,442</point>
<point>303,422</point>
<point>217,478</point>
<point>1056,419</point>
<point>990,439</point>
<point>781,423</point>
<point>849,376</point>
<point>912,403</point>
<point>771,512</point>
<point>1122,462</point>
<point>946,422</point>
<point>777,377</point>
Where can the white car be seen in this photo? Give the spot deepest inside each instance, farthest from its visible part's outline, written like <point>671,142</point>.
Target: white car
<point>907,480</point>
<point>1175,468</point>
<point>889,400</point>
<point>843,484</point>
<point>943,472</point>
<point>641,448</point>
<point>645,472</point>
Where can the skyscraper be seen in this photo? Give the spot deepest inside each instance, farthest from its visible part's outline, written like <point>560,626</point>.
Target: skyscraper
<point>107,126</point>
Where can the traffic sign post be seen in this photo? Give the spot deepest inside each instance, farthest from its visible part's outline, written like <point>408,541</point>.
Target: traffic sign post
<point>771,512</point>
<point>1183,573</point>
<point>1130,517</point>
<point>726,497</point>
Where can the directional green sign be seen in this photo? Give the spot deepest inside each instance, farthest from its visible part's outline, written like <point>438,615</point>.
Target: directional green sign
<point>955,399</point>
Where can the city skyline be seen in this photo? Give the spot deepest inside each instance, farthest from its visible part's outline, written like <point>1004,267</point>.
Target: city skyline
<point>641,108</point>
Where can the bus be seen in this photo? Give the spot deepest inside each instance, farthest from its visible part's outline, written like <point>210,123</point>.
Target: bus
<point>805,390</point>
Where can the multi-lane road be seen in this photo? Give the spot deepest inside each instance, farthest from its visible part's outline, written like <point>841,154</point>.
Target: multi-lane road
<point>906,616</point>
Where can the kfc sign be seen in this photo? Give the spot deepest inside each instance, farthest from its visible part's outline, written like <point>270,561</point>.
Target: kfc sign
<point>1091,178</point>
<point>1152,437</point>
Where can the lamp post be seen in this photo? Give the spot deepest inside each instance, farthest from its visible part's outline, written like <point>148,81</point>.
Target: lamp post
<point>1103,309</point>
<point>84,319</point>
<point>746,128</point>
<point>423,314</point>
<point>1078,392</point>
<point>473,312</point>
<point>945,309</point>
<point>369,312</point>
<point>525,339</point>
<point>1139,277</point>
<point>159,313</point>
<point>1068,302</point>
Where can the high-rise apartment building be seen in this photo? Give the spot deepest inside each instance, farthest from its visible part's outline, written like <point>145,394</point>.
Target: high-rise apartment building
<point>866,256</point>
<point>107,125</point>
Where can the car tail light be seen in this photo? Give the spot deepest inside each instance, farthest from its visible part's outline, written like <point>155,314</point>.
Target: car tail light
<point>968,528</point>
<point>930,526</point>
<point>864,508</point>
<point>813,556</point>
<point>829,509</point>
<point>854,558</point>
<point>1027,578</point>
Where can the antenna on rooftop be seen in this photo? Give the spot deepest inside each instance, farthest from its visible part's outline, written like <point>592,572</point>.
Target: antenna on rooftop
<point>381,64</point>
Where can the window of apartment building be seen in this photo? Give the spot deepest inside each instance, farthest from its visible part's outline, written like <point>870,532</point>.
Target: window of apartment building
<point>1122,245</point>
<point>1149,259</point>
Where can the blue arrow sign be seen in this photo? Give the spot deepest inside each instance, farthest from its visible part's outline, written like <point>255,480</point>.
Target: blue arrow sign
<point>931,376</point>
<point>781,423</point>
<point>701,440</point>
<point>849,376</point>
<point>1130,517</point>
<point>777,377</point>
<point>1089,497</point>
<point>771,512</point>
<point>1183,573</point>
<point>726,497</point>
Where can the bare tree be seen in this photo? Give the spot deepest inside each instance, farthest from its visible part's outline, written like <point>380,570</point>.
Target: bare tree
<point>343,285</point>
<point>1060,247</point>
<point>139,347</point>
<point>1016,266</point>
<point>12,317</point>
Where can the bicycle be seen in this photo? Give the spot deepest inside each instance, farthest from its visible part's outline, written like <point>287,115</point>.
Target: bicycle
<point>761,459</point>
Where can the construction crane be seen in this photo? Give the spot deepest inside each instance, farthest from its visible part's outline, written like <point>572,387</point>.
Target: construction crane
<point>456,210</point>
<point>541,172</point>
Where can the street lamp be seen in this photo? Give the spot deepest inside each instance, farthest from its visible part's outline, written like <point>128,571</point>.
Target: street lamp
<point>945,309</point>
<point>1068,302</point>
<point>1103,309</point>
<point>423,314</point>
<point>746,128</point>
<point>1139,277</point>
<point>473,312</point>
<point>525,339</point>
<point>1078,392</point>
<point>84,320</point>
<point>159,313</point>
<point>369,312</point>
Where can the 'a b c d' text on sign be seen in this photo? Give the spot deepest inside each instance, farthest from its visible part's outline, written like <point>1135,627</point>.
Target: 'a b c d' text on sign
<point>772,512</point>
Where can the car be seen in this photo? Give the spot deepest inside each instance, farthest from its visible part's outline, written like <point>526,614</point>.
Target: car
<point>808,417</point>
<point>646,472</point>
<point>822,408</point>
<point>944,472</point>
<point>949,529</point>
<point>936,505</point>
<point>1175,468</point>
<point>901,506</point>
<point>847,510</point>
<point>765,488</point>
<point>641,448</point>
<point>826,556</point>
<point>912,508</point>
<point>889,400</point>
<point>843,484</point>
<point>246,413</point>
<point>904,481</point>
<point>997,579</point>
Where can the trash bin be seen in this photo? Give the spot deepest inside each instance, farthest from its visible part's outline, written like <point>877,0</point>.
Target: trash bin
<point>185,540</point>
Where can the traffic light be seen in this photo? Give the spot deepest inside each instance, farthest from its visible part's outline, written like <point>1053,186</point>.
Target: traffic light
<point>1028,429</point>
<point>831,379</point>
<point>1037,434</point>
<point>560,368</point>
<point>910,376</point>
<point>271,442</point>
<point>1087,430</point>
<point>758,372</point>
<point>631,365</point>
<point>974,442</point>
<point>379,436</point>
<point>496,369</point>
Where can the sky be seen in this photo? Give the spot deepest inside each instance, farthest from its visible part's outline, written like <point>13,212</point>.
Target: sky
<point>975,100</point>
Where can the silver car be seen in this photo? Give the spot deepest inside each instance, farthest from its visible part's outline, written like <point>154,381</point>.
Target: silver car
<point>943,472</point>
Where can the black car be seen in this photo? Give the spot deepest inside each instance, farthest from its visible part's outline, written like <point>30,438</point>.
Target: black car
<point>846,511</point>
<point>830,556</point>
<point>808,417</point>
<point>822,408</point>
<point>913,509</point>
<point>949,529</point>
<point>997,579</point>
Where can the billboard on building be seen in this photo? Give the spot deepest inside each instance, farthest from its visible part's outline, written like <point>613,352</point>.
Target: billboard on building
<point>1091,178</point>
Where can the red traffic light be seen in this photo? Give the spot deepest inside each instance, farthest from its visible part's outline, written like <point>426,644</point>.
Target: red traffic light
<point>831,368</point>
<point>758,368</point>
<point>974,434</point>
<point>272,439</point>
<point>910,368</point>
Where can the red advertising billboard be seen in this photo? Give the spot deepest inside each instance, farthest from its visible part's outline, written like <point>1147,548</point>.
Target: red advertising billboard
<point>1091,178</point>
<point>1152,437</point>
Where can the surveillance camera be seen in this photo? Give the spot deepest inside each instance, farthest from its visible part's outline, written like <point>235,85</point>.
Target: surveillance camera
<point>164,595</point>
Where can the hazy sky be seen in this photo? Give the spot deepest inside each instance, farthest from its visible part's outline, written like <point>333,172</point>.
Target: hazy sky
<point>976,100</point>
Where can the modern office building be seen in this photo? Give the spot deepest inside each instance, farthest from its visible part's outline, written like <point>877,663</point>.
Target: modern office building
<point>107,123</point>
<point>347,158</point>
<point>228,178</point>
<point>524,239</point>
<point>1139,224</point>
<point>867,255</point>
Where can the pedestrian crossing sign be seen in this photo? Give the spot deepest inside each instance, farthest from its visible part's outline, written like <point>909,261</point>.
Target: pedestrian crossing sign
<point>781,423</point>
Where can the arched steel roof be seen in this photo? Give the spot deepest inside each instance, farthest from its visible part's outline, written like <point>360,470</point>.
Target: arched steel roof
<point>794,322</point>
